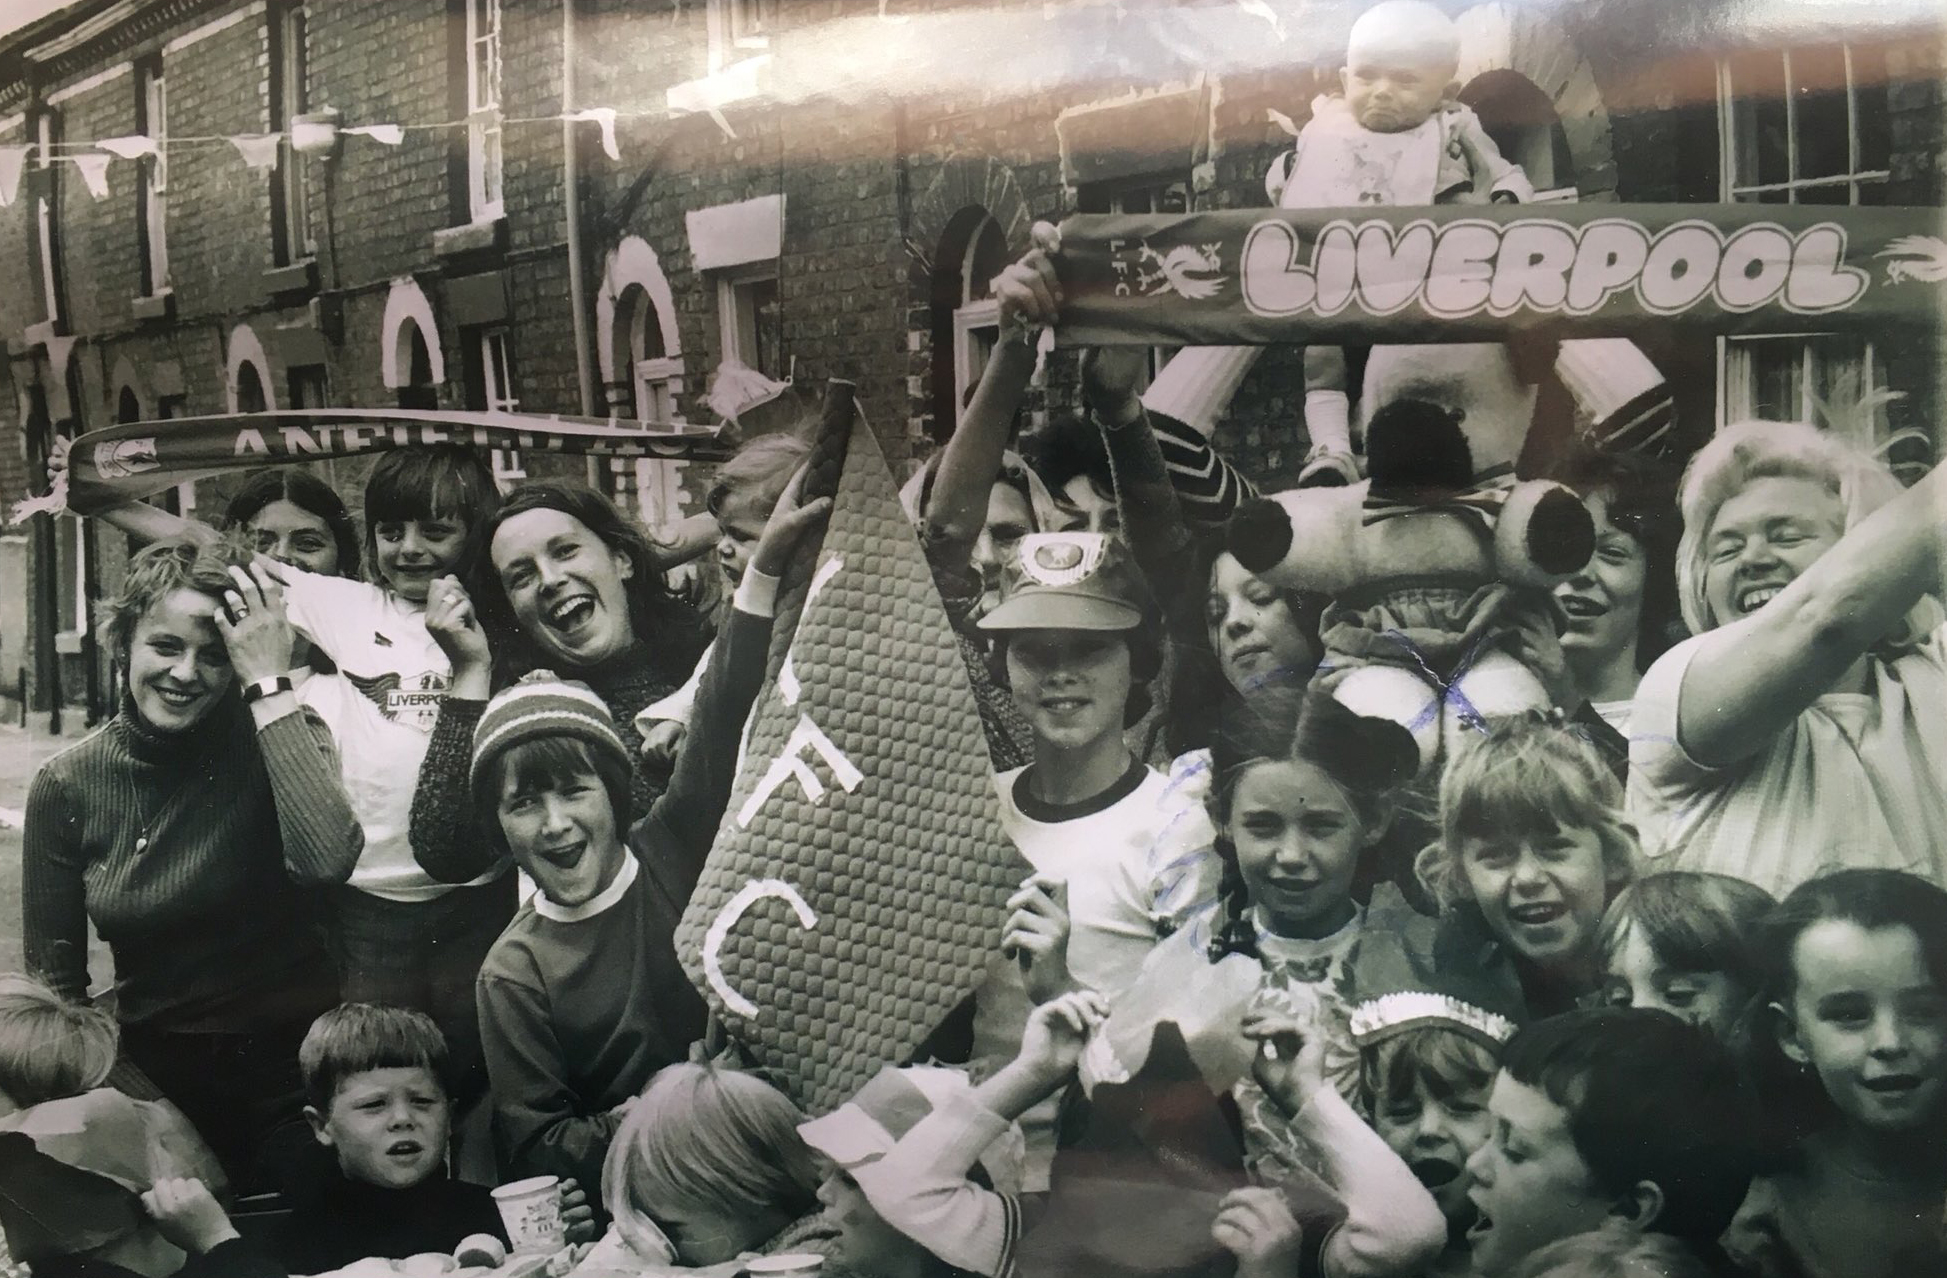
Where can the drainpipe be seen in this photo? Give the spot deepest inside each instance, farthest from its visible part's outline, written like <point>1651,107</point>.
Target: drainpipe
<point>571,183</point>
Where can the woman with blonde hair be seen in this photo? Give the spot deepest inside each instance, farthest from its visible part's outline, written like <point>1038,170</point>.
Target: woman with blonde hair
<point>1801,729</point>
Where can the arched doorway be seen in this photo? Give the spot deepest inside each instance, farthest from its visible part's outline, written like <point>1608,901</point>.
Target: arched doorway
<point>1522,121</point>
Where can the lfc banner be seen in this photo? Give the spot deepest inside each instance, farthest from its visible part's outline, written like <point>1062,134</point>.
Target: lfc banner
<point>1474,273</point>
<point>139,459</point>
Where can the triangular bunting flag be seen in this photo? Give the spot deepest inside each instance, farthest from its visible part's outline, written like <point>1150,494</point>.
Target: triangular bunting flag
<point>388,134</point>
<point>94,171</point>
<point>12,160</point>
<point>857,886</point>
<point>259,150</point>
<point>132,147</point>
<point>604,116</point>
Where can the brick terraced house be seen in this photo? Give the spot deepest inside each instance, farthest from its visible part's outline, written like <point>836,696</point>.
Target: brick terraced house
<point>818,188</point>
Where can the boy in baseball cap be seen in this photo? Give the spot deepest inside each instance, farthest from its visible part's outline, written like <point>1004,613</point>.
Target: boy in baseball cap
<point>1075,641</point>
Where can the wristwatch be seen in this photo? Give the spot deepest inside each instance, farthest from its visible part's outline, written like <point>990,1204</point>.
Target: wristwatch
<point>268,687</point>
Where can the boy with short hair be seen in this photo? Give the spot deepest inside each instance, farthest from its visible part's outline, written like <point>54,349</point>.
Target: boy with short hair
<point>1612,1118</point>
<point>375,1084</point>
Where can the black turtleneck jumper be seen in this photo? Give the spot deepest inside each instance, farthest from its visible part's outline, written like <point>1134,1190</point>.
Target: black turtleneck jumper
<point>192,853</point>
<point>336,1220</point>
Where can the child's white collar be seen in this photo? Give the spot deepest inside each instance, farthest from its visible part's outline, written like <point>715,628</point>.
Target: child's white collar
<point>595,904</point>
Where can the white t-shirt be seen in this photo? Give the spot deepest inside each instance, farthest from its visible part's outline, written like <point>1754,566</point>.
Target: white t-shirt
<point>1128,886</point>
<point>380,707</point>
<point>1110,852</point>
<point>1857,779</point>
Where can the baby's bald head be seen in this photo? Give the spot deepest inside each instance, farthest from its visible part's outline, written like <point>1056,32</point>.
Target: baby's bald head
<point>1407,31</point>
<point>1399,64</point>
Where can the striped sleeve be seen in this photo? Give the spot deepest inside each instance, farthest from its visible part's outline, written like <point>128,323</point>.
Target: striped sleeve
<point>1209,488</point>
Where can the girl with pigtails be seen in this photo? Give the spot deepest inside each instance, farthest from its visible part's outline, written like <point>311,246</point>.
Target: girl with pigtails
<point>1301,798</point>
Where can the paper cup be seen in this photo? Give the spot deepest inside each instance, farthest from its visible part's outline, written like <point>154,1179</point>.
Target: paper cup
<point>531,1211</point>
<point>793,1265</point>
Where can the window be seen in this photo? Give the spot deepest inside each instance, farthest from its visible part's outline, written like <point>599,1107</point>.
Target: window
<point>1805,125</point>
<point>290,205</point>
<point>47,203</point>
<point>1801,126</point>
<point>1785,379</point>
<point>483,109</point>
<point>490,388</point>
<point>739,29</point>
<point>747,310</point>
<point>152,106</point>
<point>308,386</point>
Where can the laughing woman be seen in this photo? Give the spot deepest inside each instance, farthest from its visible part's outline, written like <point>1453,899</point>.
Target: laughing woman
<point>570,586</point>
<point>1801,729</point>
<point>189,831</point>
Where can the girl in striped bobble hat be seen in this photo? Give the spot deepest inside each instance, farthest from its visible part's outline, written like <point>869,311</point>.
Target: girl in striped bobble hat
<point>582,998</point>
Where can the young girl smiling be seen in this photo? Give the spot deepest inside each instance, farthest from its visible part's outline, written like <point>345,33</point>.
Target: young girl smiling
<point>1533,847</point>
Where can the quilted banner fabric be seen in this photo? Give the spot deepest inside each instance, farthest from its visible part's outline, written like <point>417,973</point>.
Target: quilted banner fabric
<point>856,888</point>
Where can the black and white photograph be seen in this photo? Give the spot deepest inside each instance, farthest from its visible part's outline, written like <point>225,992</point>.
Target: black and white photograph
<point>973,638</point>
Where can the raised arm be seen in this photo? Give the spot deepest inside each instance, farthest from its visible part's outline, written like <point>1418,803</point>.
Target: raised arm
<point>1392,1226</point>
<point>689,811</point>
<point>443,831</point>
<point>1745,682</point>
<point>322,837</point>
<point>922,1185</point>
<point>956,510</point>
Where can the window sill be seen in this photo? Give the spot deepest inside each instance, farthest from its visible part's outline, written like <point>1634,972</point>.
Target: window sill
<point>488,236</point>
<point>156,306</point>
<point>300,278</point>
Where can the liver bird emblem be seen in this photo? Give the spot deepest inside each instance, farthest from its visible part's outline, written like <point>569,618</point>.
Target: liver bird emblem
<point>1915,257</point>
<point>1191,271</point>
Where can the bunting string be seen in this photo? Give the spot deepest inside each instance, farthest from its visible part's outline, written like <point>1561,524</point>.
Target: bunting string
<point>92,157</point>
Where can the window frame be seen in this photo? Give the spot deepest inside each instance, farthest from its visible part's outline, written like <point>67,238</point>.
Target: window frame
<point>737,317</point>
<point>293,232</point>
<point>152,104</point>
<point>738,29</point>
<point>1736,368</point>
<point>1732,191</point>
<point>485,159</point>
<point>47,222</point>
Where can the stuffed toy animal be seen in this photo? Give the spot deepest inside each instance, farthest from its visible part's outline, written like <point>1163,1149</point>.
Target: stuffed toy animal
<point>1440,562</point>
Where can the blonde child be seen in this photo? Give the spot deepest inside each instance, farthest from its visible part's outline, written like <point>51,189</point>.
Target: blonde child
<point>1533,847</point>
<point>55,1057</point>
<point>1687,942</point>
<point>1854,1073</point>
<point>708,1166</point>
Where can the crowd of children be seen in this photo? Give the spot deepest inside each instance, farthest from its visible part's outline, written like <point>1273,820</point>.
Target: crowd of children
<point>392,866</point>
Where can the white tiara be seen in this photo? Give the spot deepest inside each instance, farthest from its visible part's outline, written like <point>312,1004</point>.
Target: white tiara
<point>1405,1009</point>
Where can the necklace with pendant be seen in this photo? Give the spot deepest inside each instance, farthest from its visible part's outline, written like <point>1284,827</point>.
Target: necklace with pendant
<point>151,815</point>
